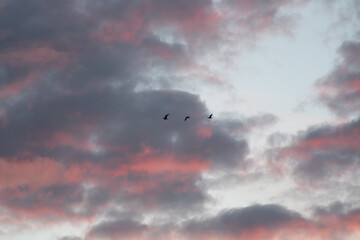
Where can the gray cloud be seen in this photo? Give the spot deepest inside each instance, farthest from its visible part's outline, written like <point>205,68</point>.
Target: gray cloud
<point>70,238</point>
<point>176,193</point>
<point>329,151</point>
<point>335,208</point>
<point>234,222</point>
<point>68,77</point>
<point>324,151</point>
<point>121,120</point>
<point>340,90</point>
<point>53,198</point>
<point>117,229</point>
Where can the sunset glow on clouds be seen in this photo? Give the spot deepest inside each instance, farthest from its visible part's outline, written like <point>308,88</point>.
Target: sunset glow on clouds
<point>86,155</point>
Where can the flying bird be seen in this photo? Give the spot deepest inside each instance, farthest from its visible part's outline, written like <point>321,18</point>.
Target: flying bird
<point>210,117</point>
<point>186,118</point>
<point>165,118</point>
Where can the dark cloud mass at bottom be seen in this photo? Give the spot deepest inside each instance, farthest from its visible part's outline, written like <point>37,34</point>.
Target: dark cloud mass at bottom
<point>120,228</point>
<point>236,221</point>
<point>252,222</point>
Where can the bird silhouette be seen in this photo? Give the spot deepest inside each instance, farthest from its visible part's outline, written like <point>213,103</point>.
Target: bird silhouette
<point>210,117</point>
<point>186,118</point>
<point>166,117</point>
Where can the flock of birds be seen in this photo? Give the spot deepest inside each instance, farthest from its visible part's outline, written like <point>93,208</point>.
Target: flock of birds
<point>186,118</point>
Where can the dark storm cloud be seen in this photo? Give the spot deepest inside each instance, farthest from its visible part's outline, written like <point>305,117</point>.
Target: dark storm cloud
<point>340,90</point>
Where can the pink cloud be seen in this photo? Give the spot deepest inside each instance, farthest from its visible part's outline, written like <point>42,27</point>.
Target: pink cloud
<point>130,29</point>
<point>204,132</point>
<point>19,85</point>
<point>14,174</point>
<point>340,90</point>
<point>40,55</point>
<point>62,138</point>
<point>322,153</point>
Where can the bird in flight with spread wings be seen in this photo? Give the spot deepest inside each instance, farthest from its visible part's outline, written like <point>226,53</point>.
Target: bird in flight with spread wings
<point>186,118</point>
<point>166,117</point>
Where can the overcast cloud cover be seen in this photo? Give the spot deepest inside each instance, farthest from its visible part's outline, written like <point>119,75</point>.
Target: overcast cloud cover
<point>86,155</point>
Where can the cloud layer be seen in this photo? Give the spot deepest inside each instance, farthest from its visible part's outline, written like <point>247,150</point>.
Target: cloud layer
<point>83,141</point>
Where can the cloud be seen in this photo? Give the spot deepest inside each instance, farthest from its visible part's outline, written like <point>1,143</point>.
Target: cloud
<point>255,222</point>
<point>81,137</point>
<point>99,44</point>
<point>234,222</point>
<point>340,90</point>
<point>70,238</point>
<point>97,136</point>
<point>272,222</point>
<point>324,151</point>
<point>335,208</point>
<point>329,151</point>
<point>120,229</point>
<point>257,18</point>
<point>56,198</point>
<point>245,125</point>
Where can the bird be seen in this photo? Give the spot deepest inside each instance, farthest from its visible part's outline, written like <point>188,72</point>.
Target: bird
<point>210,117</point>
<point>186,118</point>
<point>166,117</point>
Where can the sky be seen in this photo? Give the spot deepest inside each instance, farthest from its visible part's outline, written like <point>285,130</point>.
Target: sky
<point>86,155</point>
